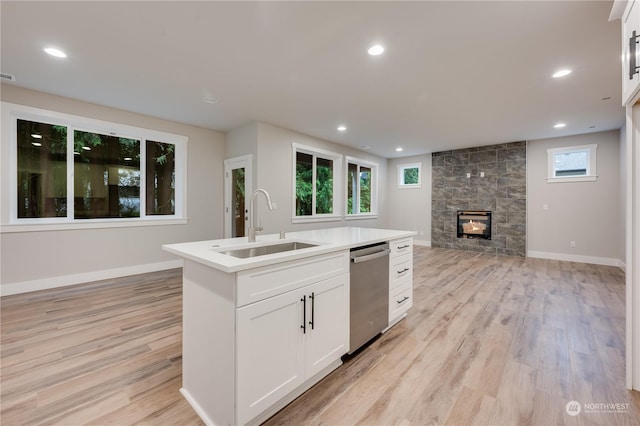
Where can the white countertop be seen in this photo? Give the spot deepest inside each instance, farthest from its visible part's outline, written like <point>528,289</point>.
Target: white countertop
<point>328,240</point>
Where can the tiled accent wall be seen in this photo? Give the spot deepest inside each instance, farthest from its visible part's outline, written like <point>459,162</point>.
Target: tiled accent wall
<point>502,190</point>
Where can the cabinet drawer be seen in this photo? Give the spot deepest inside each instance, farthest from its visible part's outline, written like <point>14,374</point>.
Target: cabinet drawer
<point>260,283</point>
<point>400,300</point>
<point>400,247</point>
<point>400,270</point>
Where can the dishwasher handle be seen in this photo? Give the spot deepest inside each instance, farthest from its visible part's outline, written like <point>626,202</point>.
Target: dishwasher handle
<point>367,257</point>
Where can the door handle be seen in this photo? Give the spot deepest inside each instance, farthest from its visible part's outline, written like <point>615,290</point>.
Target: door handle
<point>313,304</point>
<point>304,314</point>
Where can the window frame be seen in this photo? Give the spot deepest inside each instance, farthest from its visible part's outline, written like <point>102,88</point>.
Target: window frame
<point>10,221</point>
<point>402,168</point>
<point>373,214</point>
<point>337,180</point>
<point>591,172</point>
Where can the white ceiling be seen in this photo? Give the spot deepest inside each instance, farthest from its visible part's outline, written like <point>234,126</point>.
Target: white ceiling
<point>453,75</point>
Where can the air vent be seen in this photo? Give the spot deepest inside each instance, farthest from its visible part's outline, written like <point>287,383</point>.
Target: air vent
<point>8,77</point>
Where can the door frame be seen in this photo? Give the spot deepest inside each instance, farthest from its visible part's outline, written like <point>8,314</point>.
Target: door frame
<point>246,162</point>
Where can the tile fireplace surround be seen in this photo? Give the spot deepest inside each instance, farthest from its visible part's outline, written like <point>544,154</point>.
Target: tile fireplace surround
<point>502,190</point>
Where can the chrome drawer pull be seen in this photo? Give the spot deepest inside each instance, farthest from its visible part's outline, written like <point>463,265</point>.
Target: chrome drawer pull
<point>402,301</point>
<point>403,271</point>
<point>403,247</point>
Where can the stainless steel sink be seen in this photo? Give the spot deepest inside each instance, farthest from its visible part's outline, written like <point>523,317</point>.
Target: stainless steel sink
<point>268,249</point>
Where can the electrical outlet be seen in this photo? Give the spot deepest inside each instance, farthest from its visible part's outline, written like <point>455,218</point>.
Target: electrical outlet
<point>545,207</point>
<point>572,244</point>
<point>481,174</point>
<point>468,175</point>
<point>274,205</point>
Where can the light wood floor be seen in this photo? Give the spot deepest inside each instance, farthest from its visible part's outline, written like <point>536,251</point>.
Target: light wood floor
<point>489,341</point>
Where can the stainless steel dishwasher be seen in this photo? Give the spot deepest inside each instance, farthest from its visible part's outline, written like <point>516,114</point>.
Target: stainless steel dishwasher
<point>369,306</point>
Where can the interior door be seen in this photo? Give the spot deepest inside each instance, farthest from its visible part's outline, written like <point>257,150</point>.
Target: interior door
<point>237,177</point>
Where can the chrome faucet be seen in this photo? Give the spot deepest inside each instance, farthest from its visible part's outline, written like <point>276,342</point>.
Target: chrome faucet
<point>252,228</point>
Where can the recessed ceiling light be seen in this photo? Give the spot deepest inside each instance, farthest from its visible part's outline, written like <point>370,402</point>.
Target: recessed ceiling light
<point>210,100</point>
<point>561,73</point>
<point>342,128</point>
<point>36,136</point>
<point>55,52</point>
<point>36,144</point>
<point>86,148</point>
<point>399,149</point>
<point>375,50</point>
<point>559,125</point>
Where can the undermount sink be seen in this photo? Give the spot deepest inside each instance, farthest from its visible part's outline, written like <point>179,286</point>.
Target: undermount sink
<point>268,249</point>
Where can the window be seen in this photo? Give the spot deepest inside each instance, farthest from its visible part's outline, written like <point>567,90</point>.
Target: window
<point>70,170</point>
<point>410,175</point>
<point>316,178</point>
<point>361,188</point>
<point>572,164</point>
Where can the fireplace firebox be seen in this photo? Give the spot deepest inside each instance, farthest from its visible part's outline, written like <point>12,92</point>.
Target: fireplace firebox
<point>474,224</point>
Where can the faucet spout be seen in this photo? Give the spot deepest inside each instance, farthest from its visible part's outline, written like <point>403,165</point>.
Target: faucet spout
<point>252,228</point>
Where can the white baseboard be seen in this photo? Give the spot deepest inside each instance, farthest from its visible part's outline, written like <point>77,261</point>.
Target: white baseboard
<point>86,277</point>
<point>607,261</point>
<point>422,243</point>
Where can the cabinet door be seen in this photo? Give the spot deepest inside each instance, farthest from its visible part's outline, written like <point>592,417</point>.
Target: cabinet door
<point>270,352</point>
<point>327,322</point>
<point>630,23</point>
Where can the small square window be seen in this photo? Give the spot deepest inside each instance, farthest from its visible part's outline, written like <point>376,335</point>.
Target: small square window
<point>410,175</point>
<point>572,164</point>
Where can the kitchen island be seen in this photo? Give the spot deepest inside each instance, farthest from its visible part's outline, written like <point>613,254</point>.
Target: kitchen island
<point>265,321</point>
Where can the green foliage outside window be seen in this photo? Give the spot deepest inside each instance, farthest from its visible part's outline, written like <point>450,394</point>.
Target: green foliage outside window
<point>411,176</point>
<point>305,185</point>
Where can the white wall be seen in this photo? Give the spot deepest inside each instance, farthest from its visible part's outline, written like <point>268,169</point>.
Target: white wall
<point>243,141</point>
<point>410,209</point>
<point>274,173</point>
<point>32,260</point>
<point>585,212</point>
<point>623,194</point>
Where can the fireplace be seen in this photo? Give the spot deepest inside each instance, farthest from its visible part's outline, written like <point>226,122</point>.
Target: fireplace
<point>474,224</point>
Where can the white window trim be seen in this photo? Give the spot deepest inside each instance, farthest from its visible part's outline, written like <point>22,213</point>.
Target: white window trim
<point>337,179</point>
<point>374,188</point>
<point>401,168</point>
<point>10,222</point>
<point>591,175</point>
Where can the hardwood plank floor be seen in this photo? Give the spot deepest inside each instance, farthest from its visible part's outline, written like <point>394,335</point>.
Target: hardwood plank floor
<point>489,341</point>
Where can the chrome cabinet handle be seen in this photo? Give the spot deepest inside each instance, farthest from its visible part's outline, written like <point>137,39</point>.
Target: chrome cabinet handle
<point>304,314</point>
<point>403,247</point>
<point>403,271</point>
<point>402,301</point>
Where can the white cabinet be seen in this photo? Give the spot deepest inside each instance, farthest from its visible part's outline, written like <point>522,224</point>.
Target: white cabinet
<point>284,340</point>
<point>328,335</point>
<point>270,353</point>
<point>400,278</point>
<point>630,52</point>
<point>245,351</point>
